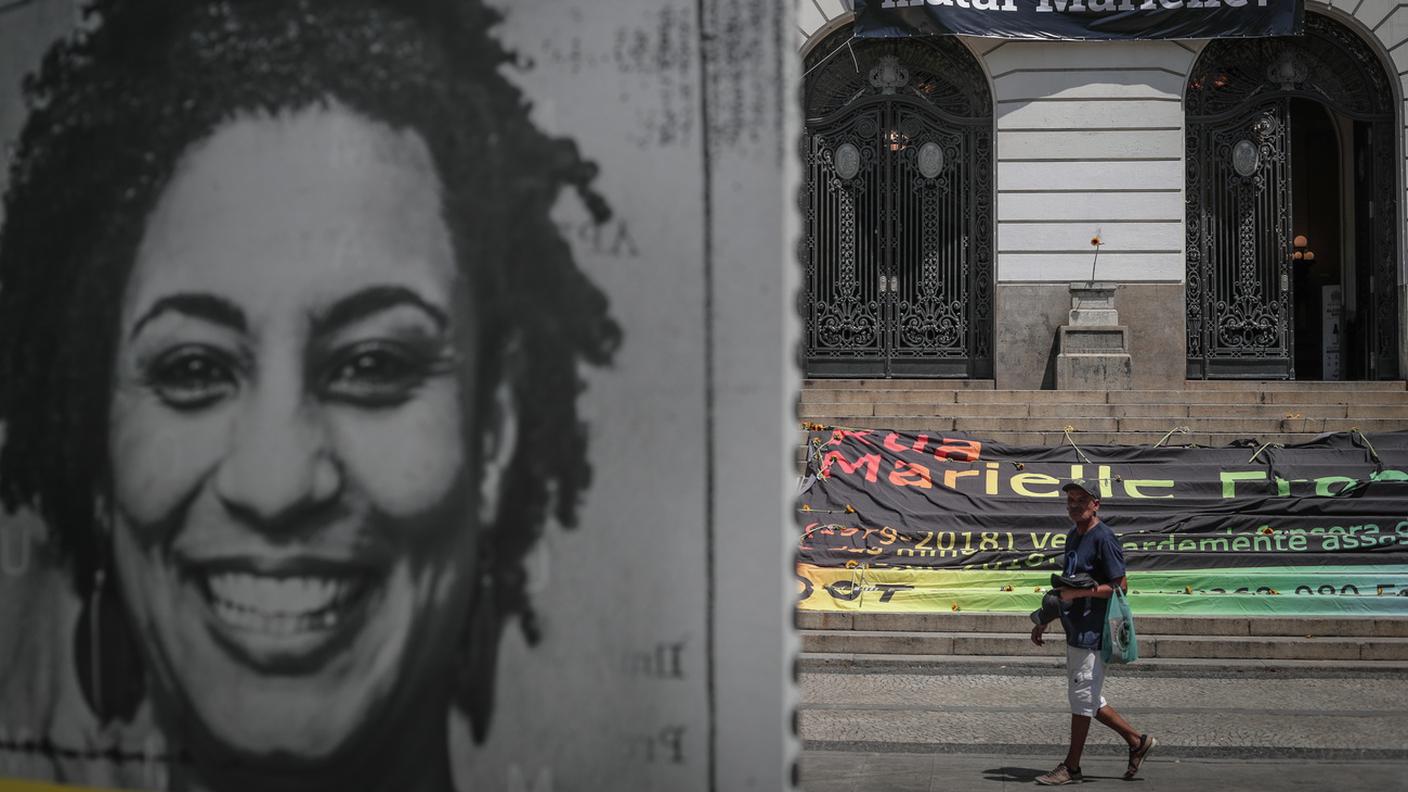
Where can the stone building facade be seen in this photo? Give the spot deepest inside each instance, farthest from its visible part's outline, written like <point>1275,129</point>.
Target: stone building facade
<point>1247,195</point>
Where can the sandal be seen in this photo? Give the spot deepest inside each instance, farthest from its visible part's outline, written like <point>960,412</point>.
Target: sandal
<point>1137,754</point>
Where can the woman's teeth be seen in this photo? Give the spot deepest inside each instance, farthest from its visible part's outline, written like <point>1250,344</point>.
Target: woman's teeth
<point>279,605</point>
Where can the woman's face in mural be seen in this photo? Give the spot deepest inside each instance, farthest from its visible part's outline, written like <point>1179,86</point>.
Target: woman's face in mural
<point>291,489</point>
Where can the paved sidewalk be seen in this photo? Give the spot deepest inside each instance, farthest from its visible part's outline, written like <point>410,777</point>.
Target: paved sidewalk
<point>1310,715</point>
<point>854,771</point>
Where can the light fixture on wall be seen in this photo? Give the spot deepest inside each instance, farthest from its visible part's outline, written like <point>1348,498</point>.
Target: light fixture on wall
<point>1302,249</point>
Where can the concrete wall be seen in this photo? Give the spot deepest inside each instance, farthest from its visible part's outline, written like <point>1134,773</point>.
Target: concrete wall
<point>1089,139</point>
<point>1026,350</point>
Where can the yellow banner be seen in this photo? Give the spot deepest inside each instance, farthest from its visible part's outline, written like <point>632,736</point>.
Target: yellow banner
<point>31,786</point>
<point>1269,591</point>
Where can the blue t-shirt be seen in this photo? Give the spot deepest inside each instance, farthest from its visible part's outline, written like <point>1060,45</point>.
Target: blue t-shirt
<point>1098,554</point>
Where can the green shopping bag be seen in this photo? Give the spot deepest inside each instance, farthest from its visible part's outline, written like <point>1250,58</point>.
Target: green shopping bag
<point>1119,643</point>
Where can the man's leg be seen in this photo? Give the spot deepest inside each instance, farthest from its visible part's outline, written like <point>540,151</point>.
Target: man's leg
<point>1109,717</point>
<point>1083,691</point>
<point>1139,744</point>
<point>1080,727</point>
<point>1086,677</point>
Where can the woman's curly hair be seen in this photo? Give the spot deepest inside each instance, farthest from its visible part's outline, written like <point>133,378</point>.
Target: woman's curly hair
<point>111,113</point>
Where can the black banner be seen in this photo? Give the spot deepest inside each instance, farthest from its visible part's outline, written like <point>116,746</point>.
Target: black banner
<point>910,500</point>
<point>1080,19</point>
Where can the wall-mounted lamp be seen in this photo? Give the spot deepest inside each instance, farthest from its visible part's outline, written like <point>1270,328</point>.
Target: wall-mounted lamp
<point>1301,245</point>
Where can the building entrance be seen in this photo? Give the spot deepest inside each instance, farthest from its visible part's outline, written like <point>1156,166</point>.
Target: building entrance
<point>1292,230</point>
<point>897,245</point>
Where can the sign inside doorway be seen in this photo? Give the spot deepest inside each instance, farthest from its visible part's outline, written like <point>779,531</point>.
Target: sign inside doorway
<point>1080,19</point>
<point>1332,329</point>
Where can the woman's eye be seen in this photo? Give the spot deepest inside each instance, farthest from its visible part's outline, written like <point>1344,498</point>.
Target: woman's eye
<point>376,376</point>
<point>192,377</point>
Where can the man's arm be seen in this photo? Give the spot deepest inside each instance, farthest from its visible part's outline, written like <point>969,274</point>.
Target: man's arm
<point>1101,591</point>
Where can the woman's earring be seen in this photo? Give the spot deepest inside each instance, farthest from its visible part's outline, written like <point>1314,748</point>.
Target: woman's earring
<point>110,671</point>
<point>480,656</point>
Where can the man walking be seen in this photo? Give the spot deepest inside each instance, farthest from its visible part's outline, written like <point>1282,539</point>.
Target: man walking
<point>1091,549</point>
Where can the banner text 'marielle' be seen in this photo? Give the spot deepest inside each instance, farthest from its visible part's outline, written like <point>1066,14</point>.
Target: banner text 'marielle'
<point>926,462</point>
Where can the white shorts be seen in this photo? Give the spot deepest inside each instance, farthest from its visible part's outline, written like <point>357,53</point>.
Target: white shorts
<point>1085,676</point>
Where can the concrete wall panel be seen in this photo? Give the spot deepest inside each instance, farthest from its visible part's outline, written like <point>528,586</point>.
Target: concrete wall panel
<point>1091,207</point>
<point>1090,144</point>
<point>1074,236</point>
<point>1090,175</point>
<point>1124,83</point>
<point>1065,55</point>
<point>1026,114</point>
<point>1065,267</point>
<point>1026,351</point>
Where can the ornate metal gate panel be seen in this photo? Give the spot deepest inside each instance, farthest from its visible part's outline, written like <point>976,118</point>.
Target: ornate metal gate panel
<point>1239,293</point>
<point>1239,285</point>
<point>1383,282</point>
<point>897,247</point>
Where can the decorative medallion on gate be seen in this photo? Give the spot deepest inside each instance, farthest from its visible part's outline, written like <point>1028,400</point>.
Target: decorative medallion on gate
<point>931,160</point>
<point>1245,158</point>
<point>847,161</point>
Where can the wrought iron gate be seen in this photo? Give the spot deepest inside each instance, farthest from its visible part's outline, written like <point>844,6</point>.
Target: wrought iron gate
<point>1239,239</point>
<point>898,239</point>
<point>1240,291</point>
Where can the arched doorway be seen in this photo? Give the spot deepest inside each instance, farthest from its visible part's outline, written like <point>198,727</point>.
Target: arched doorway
<point>897,202</point>
<point>1292,212</point>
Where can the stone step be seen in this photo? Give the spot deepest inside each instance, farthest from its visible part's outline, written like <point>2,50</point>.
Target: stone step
<point>865,396</point>
<point>1236,427</point>
<point>1054,436</point>
<point>1290,385</point>
<point>1223,385</point>
<point>1151,645</point>
<point>1253,397</point>
<point>919,408</point>
<point>1249,395</point>
<point>900,384</point>
<point>1082,397</point>
<point>1018,623</point>
<point>852,663</point>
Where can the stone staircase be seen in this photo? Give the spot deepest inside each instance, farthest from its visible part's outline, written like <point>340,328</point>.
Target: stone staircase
<point>1213,412</point>
<point>880,641</point>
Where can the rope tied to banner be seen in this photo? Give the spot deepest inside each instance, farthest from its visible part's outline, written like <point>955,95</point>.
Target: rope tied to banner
<point>858,583</point>
<point>1373,454</point>
<point>1263,447</point>
<point>849,46</point>
<point>1183,430</point>
<point>1079,453</point>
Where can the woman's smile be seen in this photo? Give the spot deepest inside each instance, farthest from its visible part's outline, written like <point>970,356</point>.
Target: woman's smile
<point>278,616</point>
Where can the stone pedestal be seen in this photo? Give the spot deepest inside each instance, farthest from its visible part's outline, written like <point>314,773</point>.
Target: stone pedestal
<point>1094,346</point>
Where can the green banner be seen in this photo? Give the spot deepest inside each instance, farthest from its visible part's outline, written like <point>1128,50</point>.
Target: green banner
<point>1268,591</point>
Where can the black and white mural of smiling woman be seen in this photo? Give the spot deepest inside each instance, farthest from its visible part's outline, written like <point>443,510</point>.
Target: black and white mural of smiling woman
<point>289,355</point>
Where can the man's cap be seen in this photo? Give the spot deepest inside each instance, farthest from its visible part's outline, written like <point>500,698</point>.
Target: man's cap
<point>1084,485</point>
